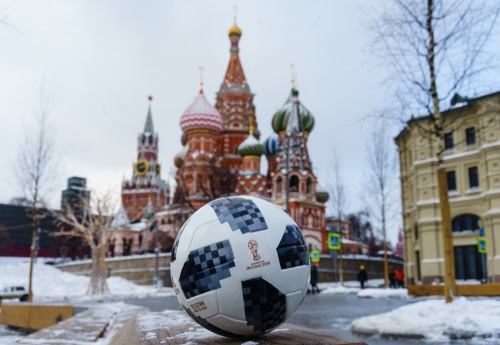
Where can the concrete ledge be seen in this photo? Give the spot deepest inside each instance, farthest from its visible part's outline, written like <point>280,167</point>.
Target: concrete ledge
<point>34,316</point>
<point>86,327</point>
<point>176,327</point>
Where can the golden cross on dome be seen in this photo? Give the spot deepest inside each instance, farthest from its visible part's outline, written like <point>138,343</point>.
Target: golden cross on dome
<point>292,67</point>
<point>235,10</point>
<point>250,126</point>
<point>201,77</point>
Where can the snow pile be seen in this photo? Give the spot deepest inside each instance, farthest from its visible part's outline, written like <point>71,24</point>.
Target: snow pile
<point>50,282</point>
<point>383,293</point>
<point>434,320</point>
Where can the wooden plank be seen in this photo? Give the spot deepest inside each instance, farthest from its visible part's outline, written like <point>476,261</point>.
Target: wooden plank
<point>175,327</point>
<point>479,290</point>
<point>425,290</point>
<point>462,290</point>
<point>34,316</point>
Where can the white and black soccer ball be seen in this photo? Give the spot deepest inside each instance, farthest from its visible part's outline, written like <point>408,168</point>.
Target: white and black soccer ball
<point>240,266</point>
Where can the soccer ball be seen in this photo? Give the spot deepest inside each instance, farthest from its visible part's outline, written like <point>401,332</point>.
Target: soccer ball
<point>240,266</point>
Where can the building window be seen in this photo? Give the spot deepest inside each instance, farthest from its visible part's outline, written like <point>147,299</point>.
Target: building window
<point>465,222</point>
<point>452,181</point>
<point>294,184</point>
<point>470,136</point>
<point>473,178</point>
<point>448,141</point>
<point>417,260</point>
<point>309,185</point>
<point>416,231</point>
<point>279,184</point>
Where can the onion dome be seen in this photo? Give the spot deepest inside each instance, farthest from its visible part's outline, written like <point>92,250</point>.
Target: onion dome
<point>280,118</point>
<point>179,158</point>
<point>271,145</point>
<point>184,139</point>
<point>201,115</point>
<point>250,147</point>
<point>234,30</point>
<point>322,196</point>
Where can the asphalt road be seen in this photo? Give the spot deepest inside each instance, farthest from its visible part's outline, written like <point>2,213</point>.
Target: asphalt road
<point>327,313</point>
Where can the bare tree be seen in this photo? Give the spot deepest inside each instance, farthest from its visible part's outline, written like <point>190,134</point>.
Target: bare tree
<point>91,220</point>
<point>338,202</point>
<point>34,169</point>
<point>380,183</point>
<point>434,48</point>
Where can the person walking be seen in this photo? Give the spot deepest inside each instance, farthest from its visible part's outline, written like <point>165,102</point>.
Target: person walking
<point>362,276</point>
<point>314,279</point>
<point>392,279</point>
<point>400,277</point>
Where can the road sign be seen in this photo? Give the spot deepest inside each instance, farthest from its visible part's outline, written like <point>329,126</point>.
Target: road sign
<point>334,242</point>
<point>315,256</point>
<point>481,228</point>
<point>481,245</point>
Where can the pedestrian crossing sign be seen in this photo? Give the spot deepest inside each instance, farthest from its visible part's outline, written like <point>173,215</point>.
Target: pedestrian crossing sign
<point>334,241</point>
<point>481,245</point>
<point>315,256</point>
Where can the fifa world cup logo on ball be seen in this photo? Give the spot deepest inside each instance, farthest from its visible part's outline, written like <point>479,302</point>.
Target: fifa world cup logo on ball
<point>253,245</point>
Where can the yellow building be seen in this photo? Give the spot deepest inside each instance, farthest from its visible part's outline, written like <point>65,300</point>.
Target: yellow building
<point>472,159</point>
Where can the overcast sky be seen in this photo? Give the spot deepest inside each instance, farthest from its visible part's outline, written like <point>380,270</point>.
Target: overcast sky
<point>99,60</point>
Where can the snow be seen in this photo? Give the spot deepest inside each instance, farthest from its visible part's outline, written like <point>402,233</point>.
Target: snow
<point>52,283</point>
<point>429,318</point>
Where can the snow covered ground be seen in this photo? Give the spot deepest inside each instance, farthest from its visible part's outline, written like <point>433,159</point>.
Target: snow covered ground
<point>429,317</point>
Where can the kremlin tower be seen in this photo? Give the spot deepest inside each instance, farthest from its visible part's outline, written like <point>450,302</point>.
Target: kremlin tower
<point>146,183</point>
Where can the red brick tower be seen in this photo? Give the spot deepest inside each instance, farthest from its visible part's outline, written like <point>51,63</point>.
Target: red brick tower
<point>198,163</point>
<point>146,179</point>
<point>235,104</point>
<point>293,179</point>
<point>250,180</point>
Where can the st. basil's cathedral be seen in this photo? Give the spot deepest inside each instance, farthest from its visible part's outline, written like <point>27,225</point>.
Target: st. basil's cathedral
<point>221,156</point>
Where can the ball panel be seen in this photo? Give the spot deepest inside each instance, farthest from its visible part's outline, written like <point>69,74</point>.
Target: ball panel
<point>205,268</point>
<point>240,213</point>
<point>213,328</point>
<point>237,326</point>
<point>292,249</point>
<point>205,305</point>
<point>265,305</point>
<point>293,301</point>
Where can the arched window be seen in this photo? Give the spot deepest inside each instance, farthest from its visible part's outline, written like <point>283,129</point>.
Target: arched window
<point>294,184</point>
<point>309,185</point>
<point>279,184</point>
<point>465,222</point>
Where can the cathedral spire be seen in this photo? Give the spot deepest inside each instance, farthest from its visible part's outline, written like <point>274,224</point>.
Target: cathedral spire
<point>234,80</point>
<point>148,127</point>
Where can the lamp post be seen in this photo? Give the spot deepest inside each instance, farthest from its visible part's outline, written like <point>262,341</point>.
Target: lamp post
<point>287,185</point>
<point>157,252</point>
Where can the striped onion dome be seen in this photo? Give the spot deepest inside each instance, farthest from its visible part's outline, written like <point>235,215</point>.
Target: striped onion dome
<point>201,115</point>
<point>271,145</point>
<point>280,118</point>
<point>250,147</point>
